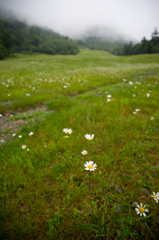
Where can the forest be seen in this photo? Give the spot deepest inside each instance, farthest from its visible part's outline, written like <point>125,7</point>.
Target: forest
<point>144,47</point>
<point>17,37</point>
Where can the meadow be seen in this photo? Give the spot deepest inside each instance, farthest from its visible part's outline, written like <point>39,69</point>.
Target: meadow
<point>46,192</point>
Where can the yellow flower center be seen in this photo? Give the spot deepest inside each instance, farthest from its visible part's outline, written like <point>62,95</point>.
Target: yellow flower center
<point>90,167</point>
<point>89,138</point>
<point>142,210</point>
<point>67,131</point>
<point>155,196</point>
<point>84,152</point>
<point>66,136</point>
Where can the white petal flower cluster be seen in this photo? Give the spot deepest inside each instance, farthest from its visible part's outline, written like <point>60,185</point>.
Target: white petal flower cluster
<point>155,196</point>
<point>89,137</point>
<point>31,133</point>
<point>66,130</point>
<point>141,210</point>
<point>84,152</point>
<point>89,166</point>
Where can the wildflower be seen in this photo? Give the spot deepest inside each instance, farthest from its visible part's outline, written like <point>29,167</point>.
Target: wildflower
<point>155,196</point>
<point>8,95</point>
<point>65,86</point>
<point>109,96</point>
<point>13,134</point>
<point>90,166</point>
<point>130,82</point>
<point>66,130</point>
<point>134,112</point>
<point>24,147</point>
<point>152,118</point>
<point>31,133</point>
<point>2,141</point>
<point>89,137</point>
<point>137,110</point>
<point>66,136</point>
<point>147,94</point>
<point>141,210</point>
<point>108,100</point>
<point>1,115</point>
<point>20,136</point>
<point>134,95</point>
<point>84,152</point>
<point>28,149</point>
<point>124,80</point>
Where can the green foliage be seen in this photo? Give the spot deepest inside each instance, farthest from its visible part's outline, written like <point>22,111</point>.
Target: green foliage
<point>17,37</point>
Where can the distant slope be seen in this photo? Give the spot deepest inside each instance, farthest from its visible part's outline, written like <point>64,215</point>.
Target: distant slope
<point>17,36</point>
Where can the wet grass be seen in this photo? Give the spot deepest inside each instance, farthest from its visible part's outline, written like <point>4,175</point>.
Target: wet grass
<point>45,191</point>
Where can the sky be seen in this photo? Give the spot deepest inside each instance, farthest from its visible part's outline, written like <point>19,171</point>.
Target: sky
<point>133,19</point>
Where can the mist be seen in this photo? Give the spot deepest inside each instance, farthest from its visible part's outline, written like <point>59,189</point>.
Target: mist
<point>133,19</point>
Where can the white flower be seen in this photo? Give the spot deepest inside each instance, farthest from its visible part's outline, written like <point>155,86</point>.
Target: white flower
<point>28,94</point>
<point>137,110</point>
<point>90,166</point>
<point>1,115</point>
<point>24,147</point>
<point>134,95</point>
<point>9,95</point>
<point>2,141</point>
<point>28,149</point>
<point>65,86</point>
<point>84,152</point>
<point>130,82</point>
<point>141,210</point>
<point>31,133</point>
<point>108,100</point>
<point>20,136</point>
<point>109,96</point>
<point>155,196</point>
<point>152,118</point>
<point>147,94</point>
<point>124,80</point>
<point>66,130</point>
<point>13,134</point>
<point>89,137</point>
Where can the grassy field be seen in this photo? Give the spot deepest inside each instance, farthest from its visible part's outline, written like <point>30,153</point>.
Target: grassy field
<point>45,190</point>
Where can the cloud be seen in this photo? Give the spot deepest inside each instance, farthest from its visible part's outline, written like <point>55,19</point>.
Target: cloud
<point>134,18</point>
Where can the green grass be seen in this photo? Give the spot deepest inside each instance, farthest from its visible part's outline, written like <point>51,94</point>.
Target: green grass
<point>46,193</point>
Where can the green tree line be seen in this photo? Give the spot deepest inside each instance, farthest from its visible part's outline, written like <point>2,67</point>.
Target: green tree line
<point>144,47</point>
<point>18,37</point>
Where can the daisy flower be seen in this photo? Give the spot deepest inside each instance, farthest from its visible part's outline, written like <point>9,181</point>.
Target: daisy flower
<point>20,136</point>
<point>155,196</point>
<point>137,110</point>
<point>109,96</point>
<point>147,94</point>
<point>108,100</point>
<point>66,136</point>
<point>24,147</point>
<point>130,82</point>
<point>1,115</point>
<point>31,133</point>
<point>89,166</point>
<point>84,152</point>
<point>66,130</point>
<point>13,134</point>
<point>2,141</point>
<point>124,80</point>
<point>152,118</point>
<point>134,95</point>
<point>89,137</point>
<point>141,210</point>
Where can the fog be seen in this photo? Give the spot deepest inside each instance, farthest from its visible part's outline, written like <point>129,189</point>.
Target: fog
<point>133,19</point>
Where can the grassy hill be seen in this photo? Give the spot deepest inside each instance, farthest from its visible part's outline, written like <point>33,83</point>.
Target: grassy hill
<point>46,193</point>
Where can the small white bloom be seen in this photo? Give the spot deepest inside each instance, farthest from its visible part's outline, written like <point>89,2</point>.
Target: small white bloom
<point>1,115</point>
<point>109,96</point>
<point>134,95</point>
<point>152,118</point>
<point>137,110</point>
<point>2,141</point>
<point>13,134</point>
<point>89,137</point>
<point>130,82</point>
<point>31,133</point>
<point>90,166</point>
<point>149,84</point>
<point>124,80</point>
<point>84,152</point>
<point>24,147</point>
<point>108,100</point>
<point>147,94</point>
<point>135,87</point>
<point>65,86</point>
<point>155,196</point>
<point>20,136</point>
<point>66,130</point>
<point>8,95</point>
<point>28,149</point>
<point>141,210</point>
